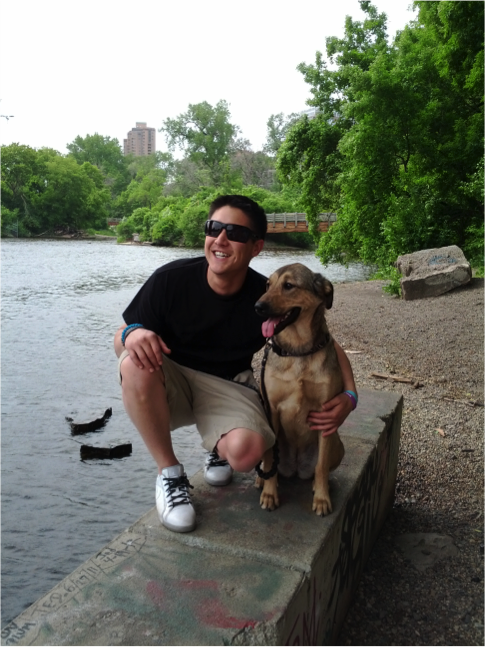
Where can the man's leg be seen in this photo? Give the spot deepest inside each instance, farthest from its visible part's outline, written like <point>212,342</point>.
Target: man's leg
<point>241,448</point>
<point>232,423</point>
<point>145,400</point>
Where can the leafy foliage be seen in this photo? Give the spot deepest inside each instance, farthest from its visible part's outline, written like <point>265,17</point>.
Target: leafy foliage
<point>393,278</point>
<point>396,147</point>
<point>206,136</point>
<point>277,128</point>
<point>176,220</point>
<point>105,153</point>
<point>43,190</point>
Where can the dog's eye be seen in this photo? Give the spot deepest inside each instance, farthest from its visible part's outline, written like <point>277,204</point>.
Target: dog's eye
<point>267,286</point>
<point>288,286</point>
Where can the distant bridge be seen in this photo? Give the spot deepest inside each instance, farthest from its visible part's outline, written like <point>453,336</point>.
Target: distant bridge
<point>281,223</point>
<point>287,223</point>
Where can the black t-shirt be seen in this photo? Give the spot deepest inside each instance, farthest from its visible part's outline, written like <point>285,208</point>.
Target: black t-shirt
<point>204,330</point>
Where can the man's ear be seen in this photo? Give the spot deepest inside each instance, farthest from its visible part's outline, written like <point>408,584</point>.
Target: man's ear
<point>257,247</point>
<point>324,289</point>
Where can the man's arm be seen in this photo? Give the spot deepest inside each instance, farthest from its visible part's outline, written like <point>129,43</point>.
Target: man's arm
<point>146,348</point>
<point>333,413</point>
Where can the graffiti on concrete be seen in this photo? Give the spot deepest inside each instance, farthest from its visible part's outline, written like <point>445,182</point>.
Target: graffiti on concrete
<point>306,628</point>
<point>361,519</point>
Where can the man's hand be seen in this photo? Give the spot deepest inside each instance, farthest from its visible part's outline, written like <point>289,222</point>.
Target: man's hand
<point>331,416</point>
<point>146,349</point>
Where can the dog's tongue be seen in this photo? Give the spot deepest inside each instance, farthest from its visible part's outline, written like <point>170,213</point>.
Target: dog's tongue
<point>269,326</point>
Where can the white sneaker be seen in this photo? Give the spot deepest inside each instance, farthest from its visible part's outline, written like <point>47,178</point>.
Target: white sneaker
<point>217,471</point>
<point>175,510</point>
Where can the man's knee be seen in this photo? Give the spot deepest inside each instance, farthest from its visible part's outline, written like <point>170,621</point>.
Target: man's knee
<point>243,448</point>
<point>140,380</point>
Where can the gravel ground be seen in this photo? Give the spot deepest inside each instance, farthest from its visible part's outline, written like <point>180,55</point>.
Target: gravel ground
<point>439,343</point>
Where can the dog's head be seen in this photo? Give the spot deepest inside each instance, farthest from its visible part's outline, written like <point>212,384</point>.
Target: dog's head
<point>293,292</point>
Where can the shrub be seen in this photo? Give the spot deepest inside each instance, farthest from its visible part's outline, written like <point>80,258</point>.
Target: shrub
<point>393,276</point>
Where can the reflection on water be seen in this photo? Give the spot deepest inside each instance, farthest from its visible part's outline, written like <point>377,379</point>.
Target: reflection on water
<point>61,305</point>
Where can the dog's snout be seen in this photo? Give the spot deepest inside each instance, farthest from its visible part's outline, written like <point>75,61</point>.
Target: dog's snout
<point>262,308</point>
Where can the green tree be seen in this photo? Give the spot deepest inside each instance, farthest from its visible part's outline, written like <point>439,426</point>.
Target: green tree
<point>144,191</point>
<point>310,158</point>
<point>398,136</point>
<point>475,232</point>
<point>45,191</point>
<point>277,128</point>
<point>159,161</point>
<point>150,175</point>
<point>206,136</point>
<point>10,222</point>
<point>256,168</point>
<point>74,195</point>
<point>187,178</point>
<point>106,154</point>
<point>23,173</point>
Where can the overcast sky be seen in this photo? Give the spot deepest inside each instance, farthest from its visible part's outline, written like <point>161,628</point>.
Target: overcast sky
<point>73,69</point>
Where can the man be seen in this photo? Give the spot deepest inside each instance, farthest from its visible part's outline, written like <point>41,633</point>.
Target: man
<point>185,357</point>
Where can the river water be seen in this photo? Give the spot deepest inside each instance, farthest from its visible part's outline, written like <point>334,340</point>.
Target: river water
<point>61,305</point>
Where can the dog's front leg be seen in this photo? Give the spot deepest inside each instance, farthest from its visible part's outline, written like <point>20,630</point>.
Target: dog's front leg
<point>330,453</point>
<point>269,496</point>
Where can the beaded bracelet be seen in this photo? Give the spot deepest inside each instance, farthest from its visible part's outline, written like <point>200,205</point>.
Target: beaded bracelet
<point>353,397</point>
<point>127,331</point>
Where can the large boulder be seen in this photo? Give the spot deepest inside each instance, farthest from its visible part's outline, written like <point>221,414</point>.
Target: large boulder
<point>432,272</point>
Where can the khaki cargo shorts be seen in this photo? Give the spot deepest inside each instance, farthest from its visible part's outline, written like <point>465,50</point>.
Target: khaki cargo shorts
<point>215,405</point>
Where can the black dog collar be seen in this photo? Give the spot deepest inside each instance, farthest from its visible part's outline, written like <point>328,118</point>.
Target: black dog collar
<point>284,353</point>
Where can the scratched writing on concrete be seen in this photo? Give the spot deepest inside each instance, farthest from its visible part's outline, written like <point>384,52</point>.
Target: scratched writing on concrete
<point>14,632</point>
<point>108,558</point>
<point>117,552</point>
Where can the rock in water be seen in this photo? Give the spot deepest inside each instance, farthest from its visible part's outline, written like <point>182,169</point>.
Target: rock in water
<point>432,272</point>
<point>120,451</point>
<point>91,425</point>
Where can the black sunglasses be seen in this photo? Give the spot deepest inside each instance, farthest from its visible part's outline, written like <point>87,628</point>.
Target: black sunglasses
<point>236,233</point>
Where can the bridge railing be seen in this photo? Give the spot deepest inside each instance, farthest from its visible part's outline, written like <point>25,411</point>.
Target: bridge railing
<point>280,222</point>
<point>298,217</point>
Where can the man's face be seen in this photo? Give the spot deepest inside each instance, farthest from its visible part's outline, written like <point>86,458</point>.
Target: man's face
<point>227,258</point>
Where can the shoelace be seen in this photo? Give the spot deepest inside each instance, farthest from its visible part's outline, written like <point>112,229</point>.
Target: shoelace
<point>177,490</point>
<point>215,461</point>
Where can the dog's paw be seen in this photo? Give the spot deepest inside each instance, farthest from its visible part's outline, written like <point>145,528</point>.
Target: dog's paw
<point>322,505</point>
<point>269,501</point>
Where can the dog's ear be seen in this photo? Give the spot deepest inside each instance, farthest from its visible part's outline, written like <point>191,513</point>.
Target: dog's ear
<point>324,289</point>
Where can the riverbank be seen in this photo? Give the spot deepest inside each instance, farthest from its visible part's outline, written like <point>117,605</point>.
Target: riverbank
<point>437,343</point>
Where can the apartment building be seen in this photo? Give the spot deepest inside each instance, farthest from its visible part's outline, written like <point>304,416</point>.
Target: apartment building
<point>141,140</point>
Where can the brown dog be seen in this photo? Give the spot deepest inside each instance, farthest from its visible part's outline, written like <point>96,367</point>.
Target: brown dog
<point>301,373</point>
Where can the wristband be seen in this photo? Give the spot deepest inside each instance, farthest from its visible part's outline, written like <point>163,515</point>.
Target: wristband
<point>127,331</point>
<point>353,397</point>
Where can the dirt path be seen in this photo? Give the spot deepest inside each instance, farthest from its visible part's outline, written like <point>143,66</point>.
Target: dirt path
<point>438,342</point>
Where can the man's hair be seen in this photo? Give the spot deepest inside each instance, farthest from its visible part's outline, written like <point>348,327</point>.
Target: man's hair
<point>249,207</point>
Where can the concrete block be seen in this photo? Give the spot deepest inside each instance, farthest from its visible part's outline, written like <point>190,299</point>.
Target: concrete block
<point>245,576</point>
<point>431,272</point>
